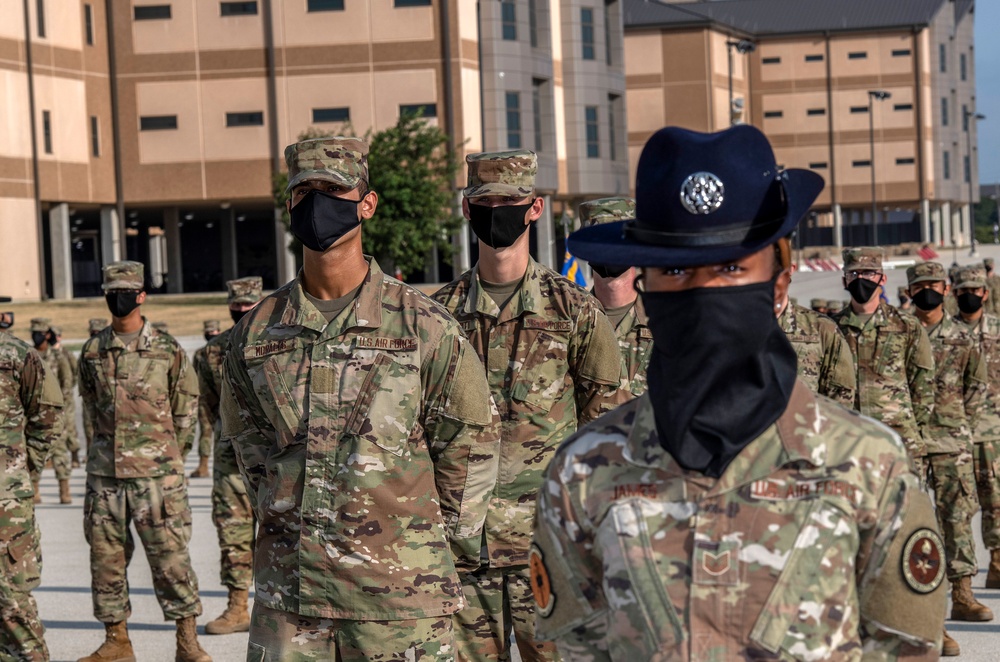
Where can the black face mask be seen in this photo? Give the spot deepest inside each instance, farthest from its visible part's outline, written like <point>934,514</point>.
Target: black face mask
<point>862,289</point>
<point>714,347</point>
<point>605,271</point>
<point>969,303</point>
<point>927,299</point>
<point>319,220</point>
<point>498,227</point>
<point>121,302</point>
<point>237,315</point>
<point>39,337</point>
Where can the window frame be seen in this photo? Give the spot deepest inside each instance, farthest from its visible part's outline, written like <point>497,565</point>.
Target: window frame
<point>592,131</point>
<point>312,8</point>
<point>331,110</point>
<point>236,8</point>
<point>95,136</point>
<point>244,118</point>
<point>152,12</point>
<point>588,46</point>
<point>158,123</point>
<point>508,24</point>
<point>512,119</point>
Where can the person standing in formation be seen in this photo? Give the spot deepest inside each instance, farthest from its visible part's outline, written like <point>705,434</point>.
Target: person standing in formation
<point>56,363</point>
<point>71,433</point>
<point>207,416</point>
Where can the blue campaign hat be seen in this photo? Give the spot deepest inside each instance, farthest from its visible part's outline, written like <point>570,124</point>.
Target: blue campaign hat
<point>702,198</point>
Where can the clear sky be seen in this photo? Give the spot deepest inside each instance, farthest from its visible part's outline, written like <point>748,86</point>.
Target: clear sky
<point>988,88</point>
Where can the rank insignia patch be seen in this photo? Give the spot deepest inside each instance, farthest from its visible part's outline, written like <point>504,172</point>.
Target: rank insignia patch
<point>923,561</point>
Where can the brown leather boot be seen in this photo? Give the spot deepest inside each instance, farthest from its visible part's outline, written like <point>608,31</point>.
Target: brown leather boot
<point>38,496</point>
<point>188,648</point>
<point>116,646</point>
<point>202,470</point>
<point>74,459</point>
<point>993,576</point>
<point>236,618</point>
<point>64,496</point>
<point>950,647</point>
<point>964,606</point>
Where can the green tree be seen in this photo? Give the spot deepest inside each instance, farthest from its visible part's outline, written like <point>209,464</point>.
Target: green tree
<point>413,172</point>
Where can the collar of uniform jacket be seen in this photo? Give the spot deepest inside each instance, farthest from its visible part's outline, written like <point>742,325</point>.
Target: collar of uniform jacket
<point>527,298</point>
<point>879,317</point>
<point>792,438</point>
<point>366,309</point>
<point>110,340</point>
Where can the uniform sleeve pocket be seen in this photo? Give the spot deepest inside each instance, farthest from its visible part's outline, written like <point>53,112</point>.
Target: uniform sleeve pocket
<point>287,407</point>
<point>387,405</point>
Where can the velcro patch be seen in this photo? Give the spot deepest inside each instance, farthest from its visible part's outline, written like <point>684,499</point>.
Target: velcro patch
<point>772,490</point>
<point>541,585</point>
<point>804,338</point>
<point>923,561</point>
<point>645,333</point>
<point>630,490</point>
<point>386,344</point>
<point>267,348</point>
<point>548,325</point>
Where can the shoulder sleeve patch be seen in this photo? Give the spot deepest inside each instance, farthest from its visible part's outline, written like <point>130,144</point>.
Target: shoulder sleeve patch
<point>922,561</point>
<point>541,585</point>
<point>469,398</point>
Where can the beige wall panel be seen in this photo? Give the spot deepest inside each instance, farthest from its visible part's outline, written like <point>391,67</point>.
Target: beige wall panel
<point>294,26</point>
<point>634,151</point>
<point>720,58</point>
<point>644,108</point>
<point>402,87</point>
<point>74,184</point>
<point>169,98</point>
<point>303,93</point>
<point>643,53</point>
<point>179,33</point>
<point>164,182</point>
<point>15,136</point>
<point>468,24</point>
<point>844,66</point>
<point>238,95</point>
<point>885,116</point>
<point>793,64</point>
<point>217,32</point>
<point>239,180</point>
<point>471,118</point>
<point>11,54</point>
<point>63,98</point>
<point>687,106</point>
<point>14,169</point>
<point>19,237</point>
<point>683,57</point>
<point>12,25</point>
<point>63,23</point>
<point>802,156</point>
<point>401,24</point>
<point>795,113</point>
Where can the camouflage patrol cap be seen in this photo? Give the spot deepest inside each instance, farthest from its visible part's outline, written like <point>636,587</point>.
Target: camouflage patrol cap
<point>210,326</point>
<point>817,303</point>
<point>988,263</point>
<point>123,275</point>
<point>245,290</point>
<point>971,277</point>
<point>925,272</point>
<point>97,324</point>
<point>903,292</point>
<point>340,160</point>
<point>865,258</point>
<point>162,327</point>
<point>40,324</point>
<point>501,173</point>
<point>606,210</point>
<point>55,330</point>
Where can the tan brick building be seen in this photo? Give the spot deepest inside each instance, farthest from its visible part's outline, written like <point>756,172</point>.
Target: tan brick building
<point>157,123</point>
<point>806,81</point>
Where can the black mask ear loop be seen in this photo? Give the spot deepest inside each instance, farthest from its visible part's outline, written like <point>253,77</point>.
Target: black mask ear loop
<point>639,277</point>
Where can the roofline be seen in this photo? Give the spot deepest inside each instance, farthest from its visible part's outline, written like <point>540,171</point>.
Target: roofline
<point>735,32</point>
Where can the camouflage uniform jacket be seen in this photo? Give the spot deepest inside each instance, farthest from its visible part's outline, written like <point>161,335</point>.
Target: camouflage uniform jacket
<point>635,341</point>
<point>992,304</point>
<point>795,552</point>
<point>142,403</point>
<point>208,405</point>
<point>61,368</point>
<point>367,445</point>
<point>825,361</point>
<point>895,367</point>
<point>553,363</point>
<point>209,369</point>
<point>959,387</point>
<point>987,331</point>
<point>30,416</point>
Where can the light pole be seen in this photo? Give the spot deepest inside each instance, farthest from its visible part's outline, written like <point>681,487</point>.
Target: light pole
<point>744,46</point>
<point>971,117</point>
<point>880,95</point>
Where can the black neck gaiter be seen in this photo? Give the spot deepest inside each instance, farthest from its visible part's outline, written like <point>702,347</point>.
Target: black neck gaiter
<point>721,372</point>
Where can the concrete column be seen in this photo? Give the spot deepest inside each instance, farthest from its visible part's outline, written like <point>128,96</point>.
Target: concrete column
<point>965,223</point>
<point>946,227</point>
<point>175,261</point>
<point>463,255</point>
<point>546,235</point>
<point>838,227</point>
<point>925,221</point>
<point>433,269</point>
<point>111,235</point>
<point>227,223</point>
<point>285,259</point>
<point>60,258</point>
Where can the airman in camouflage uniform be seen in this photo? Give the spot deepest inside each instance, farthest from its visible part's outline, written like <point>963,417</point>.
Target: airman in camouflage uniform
<point>825,361</point>
<point>30,403</point>
<point>231,509</point>
<point>809,540</point>
<point>143,397</point>
<point>71,432</point>
<point>94,326</point>
<point>365,433</point>
<point>905,304</point>
<point>818,306</point>
<point>58,364</point>
<point>614,288</point>
<point>207,415</point>
<point>993,286</point>
<point>892,356</point>
<point>553,363</point>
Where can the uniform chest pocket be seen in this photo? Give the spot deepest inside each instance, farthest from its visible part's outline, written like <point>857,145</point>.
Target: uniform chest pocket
<point>147,376</point>
<point>387,406</point>
<point>541,379</point>
<point>10,387</point>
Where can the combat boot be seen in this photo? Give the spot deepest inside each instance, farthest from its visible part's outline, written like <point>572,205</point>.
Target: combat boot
<point>993,576</point>
<point>188,648</point>
<point>202,470</point>
<point>116,646</point>
<point>236,618</point>
<point>74,459</point>
<point>38,495</point>
<point>950,647</point>
<point>64,496</point>
<point>964,606</point>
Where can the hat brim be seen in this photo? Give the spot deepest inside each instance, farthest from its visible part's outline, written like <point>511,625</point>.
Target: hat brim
<point>607,244</point>
<point>926,279</point>
<point>970,285</point>
<point>323,176</point>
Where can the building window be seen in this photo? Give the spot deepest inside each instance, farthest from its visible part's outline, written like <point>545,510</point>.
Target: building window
<point>946,165</point>
<point>774,113</point>
<point>238,8</point>
<point>587,32</point>
<point>412,3</point>
<point>157,122</point>
<point>859,109</point>
<point>942,58</point>
<point>608,6</point>
<point>965,118</point>
<point>324,5</point>
<point>966,168</point>
<point>40,16</point>
<point>508,20</point>
<point>513,107</point>
<point>593,133</point>
<point>421,110</point>
<point>903,106</point>
<point>858,55</point>
<point>944,111</point>
<point>612,129</point>
<point>962,72</point>
<point>861,164</point>
<point>536,111</point>
<point>95,136</point>
<point>816,111</point>
<point>821,165</point>
<point>905,161</point>
<point>322,115</point>
<point>533,23</point>
<point>150,12</point>
<point>47,131</point>
<point>771,60</point>
<point>814,58</point>
<point>88,24</point>
<point>245,119</point>
<point>901,52</point>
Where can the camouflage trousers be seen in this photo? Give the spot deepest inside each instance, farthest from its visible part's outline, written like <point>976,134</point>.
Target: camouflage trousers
<point>159,509</point>
<point>499,601</point>
<point>21,631</point>
<point>234,522</point>
<point>951,478</point>
<point>280,636</point>
<point>987,462</point>
<point>72,434</point>
<point>59,455</point>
